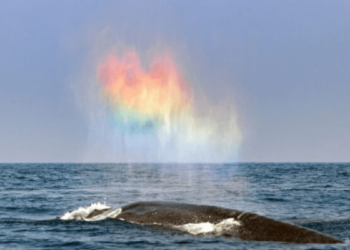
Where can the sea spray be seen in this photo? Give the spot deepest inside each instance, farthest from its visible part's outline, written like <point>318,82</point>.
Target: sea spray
<point>87,213</point>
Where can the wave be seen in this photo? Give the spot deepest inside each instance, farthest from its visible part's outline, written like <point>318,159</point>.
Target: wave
<point>94,212</point>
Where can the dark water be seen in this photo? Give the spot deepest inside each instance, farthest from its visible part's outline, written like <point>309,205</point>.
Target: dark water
<point>34,196</point>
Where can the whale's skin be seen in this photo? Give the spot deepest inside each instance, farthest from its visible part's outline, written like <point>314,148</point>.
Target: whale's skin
<point>250,227</point>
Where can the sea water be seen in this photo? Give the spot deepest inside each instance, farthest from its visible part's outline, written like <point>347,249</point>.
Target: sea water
<point>34,198</point>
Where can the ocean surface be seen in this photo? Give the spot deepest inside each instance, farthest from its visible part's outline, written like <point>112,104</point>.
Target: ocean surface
<point>34,197</point>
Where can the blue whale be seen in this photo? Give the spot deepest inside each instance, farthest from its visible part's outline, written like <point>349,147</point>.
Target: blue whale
<point>226,222</point>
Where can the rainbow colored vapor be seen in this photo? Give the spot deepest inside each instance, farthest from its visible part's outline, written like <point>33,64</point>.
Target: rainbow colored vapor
<point>142,101</point>
<point>158,101</point>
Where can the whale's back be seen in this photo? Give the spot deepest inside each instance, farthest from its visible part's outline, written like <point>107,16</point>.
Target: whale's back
<point>227,222</point>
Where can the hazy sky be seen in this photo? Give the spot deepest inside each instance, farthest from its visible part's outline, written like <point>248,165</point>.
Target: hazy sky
<point>284,64</point>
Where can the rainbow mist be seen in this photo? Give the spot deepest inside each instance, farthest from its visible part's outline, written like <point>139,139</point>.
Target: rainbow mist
<point>157,105</point>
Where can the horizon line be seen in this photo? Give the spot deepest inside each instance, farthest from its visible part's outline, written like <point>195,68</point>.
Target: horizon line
<point>238,162</point>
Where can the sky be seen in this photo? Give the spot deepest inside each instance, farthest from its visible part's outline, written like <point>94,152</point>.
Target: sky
<point>281,66</point>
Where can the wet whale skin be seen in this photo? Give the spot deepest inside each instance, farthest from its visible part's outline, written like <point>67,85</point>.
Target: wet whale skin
<point>252,227</point>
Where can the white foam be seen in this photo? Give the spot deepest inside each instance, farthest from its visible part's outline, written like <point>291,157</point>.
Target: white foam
<point>83,213</point>
<point>209,228</point>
